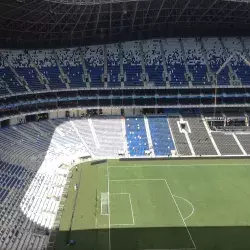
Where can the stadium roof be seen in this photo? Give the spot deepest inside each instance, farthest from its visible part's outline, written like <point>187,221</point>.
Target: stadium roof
<point>42,23</point>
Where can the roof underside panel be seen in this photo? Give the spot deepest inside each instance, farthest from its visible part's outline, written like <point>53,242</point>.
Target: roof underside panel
<point>40,23</point>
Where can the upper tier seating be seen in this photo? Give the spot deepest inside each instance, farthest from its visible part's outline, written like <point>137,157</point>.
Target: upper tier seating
<point>113,61</point>
<point>216,58</point>
<point>136,136</point>
<point>153,61</point>
<point>195,61</point>
<point>9,78</point>
<point>242,70</point>
<point>161,136</point>
<point>70,61</point>
<point>62,66</point>
<point>94,61</point>
<point>175,62</point>
<point>3,87</point>
<point>132,65</point>
<point>46,63</point>
<point>20,61</point>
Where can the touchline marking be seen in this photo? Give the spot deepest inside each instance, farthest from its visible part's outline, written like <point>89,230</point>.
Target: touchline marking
<point>180,165</point>
<point>116,180</point>
<point>118,193</point>
<point>123,224</point>
<point>132,211</point>
<point>179,197</point>
<point>109,206</point>
<point>190,236</point>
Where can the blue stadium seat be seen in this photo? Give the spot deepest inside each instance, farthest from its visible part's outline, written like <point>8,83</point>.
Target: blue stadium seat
<point>11,177</point>
<point>136,136</point>
<point>216,58</point>
<point>175,63</point>
<point>195,61</point>
<point>94,60</point>
<point>70,61</point>
<point>132,65</point>
<point>153,61</point>
<point>161,136</point>
<point>46,63</point>
<point>113,60</point>
<point>23,67</point>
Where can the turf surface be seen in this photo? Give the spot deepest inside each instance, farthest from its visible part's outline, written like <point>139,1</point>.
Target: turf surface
<point>171,204</point>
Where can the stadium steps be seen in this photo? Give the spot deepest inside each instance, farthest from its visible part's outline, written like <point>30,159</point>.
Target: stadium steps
<point>121,65</point>
<point>144,74</point>
<point>210,136</point>
<point>150,142</point>
<point>85,72</point>
<point>188,74</point>
<point>81,138</point>
<point>239,144</point>
<point>124,136</point>
<point>56,128</point>
<point>97,144</point>
<point>210,74</point>
<point>20,79</point>
<point>64,77</point>
<point>180,141</point>
<point>199,137</point>
<point>105,66</point>
<point>187,138</point>
<point>38,129</point>
<point>232,74</point>
<point>165,72</point>
<point>23,134</point>
<point>244,140</point>
<point>41,77</point>
<point>226,143</point>
<point>4,85</point>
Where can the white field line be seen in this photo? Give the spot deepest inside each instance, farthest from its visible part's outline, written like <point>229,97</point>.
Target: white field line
<point>121,180</point>
<point>108,206</point>
<point>190,236</point>
<point>122,224</point>
<point>104,214</point>
<point>181,165</point>
<point>179,197</point>
<point>180,214</point>
<point>131,207</point>
<point>118,193</point>
<point>96,222</point>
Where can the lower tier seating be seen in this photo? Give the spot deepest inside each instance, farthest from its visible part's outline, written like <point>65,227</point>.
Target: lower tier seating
<point>161,135</point>
<point>226,144</point>
<point>181,144</point>
<point>136,136</point>
<point>199,137</point>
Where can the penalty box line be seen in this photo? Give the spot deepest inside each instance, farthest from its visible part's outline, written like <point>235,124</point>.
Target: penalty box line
<point>124,180</point>
<point>131,209</point>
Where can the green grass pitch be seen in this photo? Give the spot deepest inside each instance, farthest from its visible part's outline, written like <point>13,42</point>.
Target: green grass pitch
<point>171,204</point>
